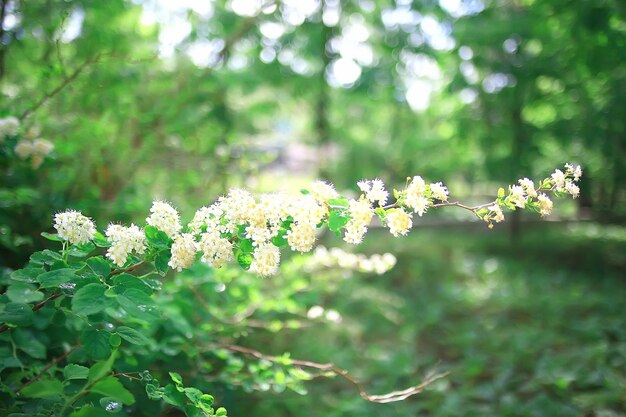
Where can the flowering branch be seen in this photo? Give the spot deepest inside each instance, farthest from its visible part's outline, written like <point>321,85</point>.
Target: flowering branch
<point>239,227</point>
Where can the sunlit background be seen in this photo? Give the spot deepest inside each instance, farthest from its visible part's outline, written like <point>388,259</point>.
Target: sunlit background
<point>184,99</point>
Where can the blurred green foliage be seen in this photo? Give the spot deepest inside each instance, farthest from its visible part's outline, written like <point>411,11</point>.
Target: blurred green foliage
<point>472,92</point>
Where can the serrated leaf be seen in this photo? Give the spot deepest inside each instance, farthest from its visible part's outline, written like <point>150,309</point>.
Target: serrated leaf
<point>28,274</point>
<point>26,341</point>
<point>43,389</point>
<point>161,262</point>
<point>124,282</point>
<point>17,314</point>
<point>99,266</point>
<point>244,260</point>
<point>280,239</point>
<point>81,251</point>
<point>74,371</point>
<point>178,380</point>
<point>96,343</point>
<point>139,305</point>
<point>157,238</point>
<point>246,246</point>
<point>101,241</point>
<point>112,387</point>
<point>45,257</point>
<point>132,336</point>
<point>51,236</point>
<point>55,278</point>
<point>337,219</point>
<point>89,299</point>
<point>22,292</point>
<point>338,203</point>
<point>115,340</point>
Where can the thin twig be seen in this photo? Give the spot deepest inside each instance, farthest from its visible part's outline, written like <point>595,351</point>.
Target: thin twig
<point>66,81</point>
<point>38,306</point>
<point>330,367</point>
<point>44,370</point>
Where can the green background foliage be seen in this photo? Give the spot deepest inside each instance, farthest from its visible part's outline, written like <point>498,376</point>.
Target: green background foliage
<point>529,318</point>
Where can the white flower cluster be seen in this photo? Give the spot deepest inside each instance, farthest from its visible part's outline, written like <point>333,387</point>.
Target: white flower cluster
<point>124,240</point>
<point>337,258</point>
<point>418,195</point>
<point>8,127</point>
<point>374,191</point>
<point>165,218</point>
<point>72,226</point>
<point>36,149</point>
<point>526,194</point>
<point>184,251</point>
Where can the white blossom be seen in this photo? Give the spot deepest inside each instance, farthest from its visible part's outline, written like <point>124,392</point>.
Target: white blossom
<point>517,196</point>
<point>545,204</point>
<point>184,251</point>
<point>529,187</point>
<point>439,191</point>
<point>165,218</point>
<point>216,251</point>
<point>497,214</point>
<point>8,127</point>
<point>301,237</point>
<point>374,191</point>
<point>72,226</point>
<point>399,221</point>
<point>322,191</point>
<point>266,260</point>
<point>124,240</point>
<point>559,179</point>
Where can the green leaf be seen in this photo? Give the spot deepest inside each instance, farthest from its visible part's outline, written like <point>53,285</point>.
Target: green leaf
<point>123,282</point>
<point>43,389</point>
<point>246,246</point>
<point>161,262</point>
<point>26,341</point>
<point>338,203</point>
<point>89,299</point>
<point>74,371</point>
<point>244,260</point>
<point>115,340</point>
<point>55,278</point>
<point>101,368</point>
<point>81,251</point>
<point>112,387</point>
<point>337,219</point>
<point>101,241</point>
<point>174,397</point>
<point>241,231</point>
<point>280,239</point>
<point>153,392</point>
<point>139,305</point>
<point>96,343</point>
<point>132,336</point>
<point>305,191</point>
<point>220,412</point>
<point>90,411</point>
<point>21,292</point>
<point>45,257</point>
<point>17,314</point>
<point>28,274</point>
<point>51,236</point>
<point>178,380</point>
<point>99,266</point>
<point>157,238</point>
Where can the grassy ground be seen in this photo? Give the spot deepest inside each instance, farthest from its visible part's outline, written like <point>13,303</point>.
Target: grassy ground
<point>531,328</point>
